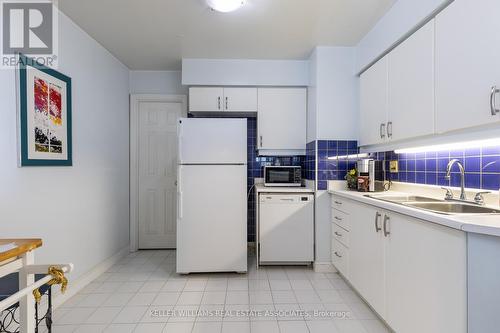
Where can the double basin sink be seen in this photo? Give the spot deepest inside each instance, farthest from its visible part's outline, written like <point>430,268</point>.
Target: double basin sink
<point>434,205</point>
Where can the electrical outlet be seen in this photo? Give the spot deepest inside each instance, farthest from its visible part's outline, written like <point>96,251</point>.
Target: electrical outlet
<point>394,166</point>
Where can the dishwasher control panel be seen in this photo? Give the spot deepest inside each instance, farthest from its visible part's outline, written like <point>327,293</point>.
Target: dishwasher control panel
<point>285,198</point>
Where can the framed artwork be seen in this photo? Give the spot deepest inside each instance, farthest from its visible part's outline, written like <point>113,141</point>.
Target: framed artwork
<point>44,115</point>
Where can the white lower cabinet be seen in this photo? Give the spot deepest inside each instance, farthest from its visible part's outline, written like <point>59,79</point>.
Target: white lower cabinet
<point>426,272</point>
<point>367,256</point>
<point>413,273</point>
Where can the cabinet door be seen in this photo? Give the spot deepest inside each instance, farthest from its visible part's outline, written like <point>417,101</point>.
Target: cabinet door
<point>281,119</point>
<point>240,99</point>
<point>373,103</point>
<point>425,277</point>
<point>205,99</point>
<point>467,64</point>
<point>411,86</point>
<point>366,255</point>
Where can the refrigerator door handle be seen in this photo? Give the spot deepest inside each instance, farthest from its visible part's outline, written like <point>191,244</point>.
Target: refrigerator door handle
<point>179,193</point>
<point>179,141</point>
<point>179,205</point>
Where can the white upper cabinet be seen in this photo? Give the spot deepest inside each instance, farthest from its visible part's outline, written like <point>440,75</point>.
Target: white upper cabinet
<point>281,119</point>
<point>373,104</point>
<point>397,92</point>
<point>206,99</point>
<point>411,86</point>
<point>467,64</point>
<point>215,99</point>
<point>240,99</point>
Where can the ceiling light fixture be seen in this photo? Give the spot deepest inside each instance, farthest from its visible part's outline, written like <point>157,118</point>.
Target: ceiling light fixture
<point>225,6</point>
<point>452,146</point>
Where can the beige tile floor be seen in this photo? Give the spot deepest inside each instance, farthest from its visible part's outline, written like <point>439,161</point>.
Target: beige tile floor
<point>142,293</point>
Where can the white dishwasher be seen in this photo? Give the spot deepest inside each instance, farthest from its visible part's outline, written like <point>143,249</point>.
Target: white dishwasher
<point>286,228</point>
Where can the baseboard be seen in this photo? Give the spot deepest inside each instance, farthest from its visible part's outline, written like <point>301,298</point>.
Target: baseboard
<point>324,267</point>
<point>77,285</point>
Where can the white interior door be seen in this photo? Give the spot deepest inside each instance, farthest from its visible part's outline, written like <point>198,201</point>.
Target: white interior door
<point>157,173</point>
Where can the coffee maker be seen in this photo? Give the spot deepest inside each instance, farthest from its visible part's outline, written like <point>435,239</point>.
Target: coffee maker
<point>371,175</point>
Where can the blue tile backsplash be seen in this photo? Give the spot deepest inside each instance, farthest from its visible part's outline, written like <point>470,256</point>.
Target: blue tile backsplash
<point>255,170</point>
<point>482,167</point>
<point>334,169</point>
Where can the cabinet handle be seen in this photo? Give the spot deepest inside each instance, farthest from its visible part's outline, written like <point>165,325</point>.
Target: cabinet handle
<point>338,234</point>
<point>338,202</point>
<point>260,140</point>
<point>493,100</point>
<point>386,221</point>
<point>337,218</point>
<point>382,131</point>
<point>218,102</point>
<point>377,216</point>
<point>389,129</point>
<point>337,254</point>
<point>227,103</point>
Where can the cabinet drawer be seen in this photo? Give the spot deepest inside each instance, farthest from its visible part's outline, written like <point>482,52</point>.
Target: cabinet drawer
<point>338,203</point>
<point>340,234</point>
<point>342,204</point>
<point>340,257</point>
<point>341,218</point>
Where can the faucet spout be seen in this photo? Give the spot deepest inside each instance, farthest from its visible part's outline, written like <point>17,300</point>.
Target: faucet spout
<point>463,196</point>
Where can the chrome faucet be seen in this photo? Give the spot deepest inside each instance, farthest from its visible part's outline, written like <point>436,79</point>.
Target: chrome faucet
<point>463,196</point>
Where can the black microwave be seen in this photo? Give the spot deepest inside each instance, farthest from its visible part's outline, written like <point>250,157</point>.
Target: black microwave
<point>282,176</point>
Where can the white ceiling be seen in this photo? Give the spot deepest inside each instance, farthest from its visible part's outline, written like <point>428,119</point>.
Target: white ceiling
<point>157,34</point>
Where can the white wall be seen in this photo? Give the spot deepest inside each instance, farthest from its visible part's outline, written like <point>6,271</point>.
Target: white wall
<point>245,72</point>
<point>333,94</point>
<point>337,96</point>
<point>403,17</point>
<point>157,82</point>
<point>80,212</point>
<point>332,115</point>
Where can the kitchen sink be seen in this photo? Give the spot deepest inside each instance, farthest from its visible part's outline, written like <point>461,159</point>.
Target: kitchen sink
<point>401,198</point>
<point>434,205</point>
<point>452,208</point>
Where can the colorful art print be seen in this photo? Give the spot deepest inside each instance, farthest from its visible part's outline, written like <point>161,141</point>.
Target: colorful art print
<point>45,115</point>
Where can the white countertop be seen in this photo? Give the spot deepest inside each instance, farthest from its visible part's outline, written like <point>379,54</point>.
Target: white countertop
<point>481,224</point>
<point>260,188</point>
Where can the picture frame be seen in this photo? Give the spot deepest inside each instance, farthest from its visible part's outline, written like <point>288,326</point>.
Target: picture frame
<point>45,115</point>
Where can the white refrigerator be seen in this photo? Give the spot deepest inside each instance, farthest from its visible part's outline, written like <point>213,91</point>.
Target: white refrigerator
<point>212,201</point>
